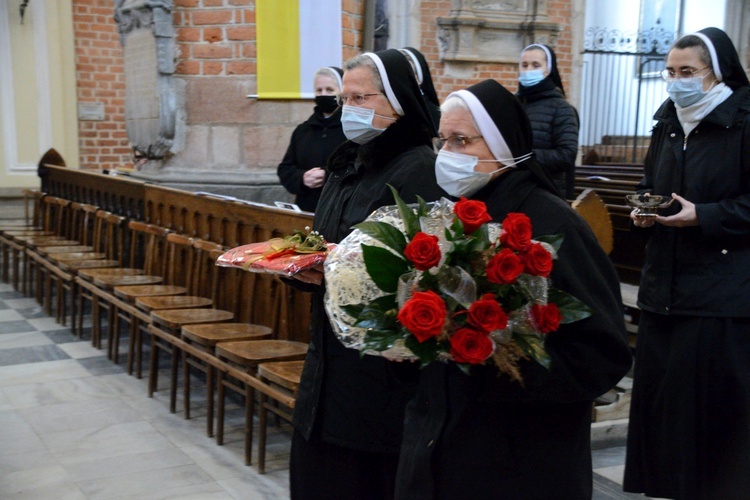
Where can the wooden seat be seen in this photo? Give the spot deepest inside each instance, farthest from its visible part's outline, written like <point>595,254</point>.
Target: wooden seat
<point>283,378</point>
<point>205,337</point>
<point>169,322</point>
<point>246,356</point>
<point>593,210</point>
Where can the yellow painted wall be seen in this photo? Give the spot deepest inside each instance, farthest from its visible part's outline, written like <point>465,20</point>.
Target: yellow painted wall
<point>53,50</point>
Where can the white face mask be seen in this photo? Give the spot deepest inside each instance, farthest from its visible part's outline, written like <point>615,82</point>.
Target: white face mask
<point>455,173</point>
<point>357,124</point>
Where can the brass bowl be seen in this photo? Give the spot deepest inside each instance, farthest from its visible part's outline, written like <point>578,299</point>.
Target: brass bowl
<point>648,205</point>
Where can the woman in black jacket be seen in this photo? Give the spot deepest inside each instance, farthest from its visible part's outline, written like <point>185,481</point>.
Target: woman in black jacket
<point>302,170</point>
<point>689,432</point>
<point>483,435</point>
<point>554,122</point>
<point>349,413</point>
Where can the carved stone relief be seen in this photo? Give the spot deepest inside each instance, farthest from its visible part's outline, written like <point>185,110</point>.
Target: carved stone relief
<point>147,37</point>
<point>494,31</point>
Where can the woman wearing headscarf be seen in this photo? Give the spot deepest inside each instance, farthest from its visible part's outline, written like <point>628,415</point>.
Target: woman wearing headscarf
<point>348,417</point>
<point>302,171</point>
<point>424,79</point>
<point>689,431</point>
<point>483,435</point>
<point>554,121</point>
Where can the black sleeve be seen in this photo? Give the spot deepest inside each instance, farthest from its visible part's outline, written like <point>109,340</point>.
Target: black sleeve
<point>288,171</point>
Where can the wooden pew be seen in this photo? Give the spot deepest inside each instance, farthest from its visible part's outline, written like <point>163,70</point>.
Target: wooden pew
<point>267,301</point>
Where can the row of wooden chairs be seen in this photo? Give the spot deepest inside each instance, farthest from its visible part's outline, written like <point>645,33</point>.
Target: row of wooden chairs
<point>159,282</point>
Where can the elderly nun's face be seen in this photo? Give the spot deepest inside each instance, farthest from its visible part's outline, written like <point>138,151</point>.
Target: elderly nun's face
<point>533,59</point>
<point>459,135</point>
<point>686,63</point>
<point>326,85</point>
<point>360,90</point>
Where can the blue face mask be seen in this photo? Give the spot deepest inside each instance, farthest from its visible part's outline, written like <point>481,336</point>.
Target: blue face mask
<point>686,91</point>
<point>530,78</point>
<point>357,124</point>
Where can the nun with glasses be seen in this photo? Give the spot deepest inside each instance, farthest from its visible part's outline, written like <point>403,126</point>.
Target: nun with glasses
<point>554,121</point>
<point>349,412</point>
<point>302,170</point>
<point>483,435</point>
<point>689,430</point>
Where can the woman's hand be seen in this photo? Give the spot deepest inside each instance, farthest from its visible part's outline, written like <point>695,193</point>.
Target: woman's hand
<point>639,220</point>
<point>314,276</point>
<point>314,178</point>
<point>685,217</point>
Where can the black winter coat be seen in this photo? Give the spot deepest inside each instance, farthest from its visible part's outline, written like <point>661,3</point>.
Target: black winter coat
<point>483,436</point>
<point>701,270</point>
<point>554,124</point>
<point>345,399</point>
<point>311,144</point>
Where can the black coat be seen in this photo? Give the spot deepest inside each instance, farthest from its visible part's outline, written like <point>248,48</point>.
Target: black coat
<point>311,144</point>
<point>345,399</point>
<point>484,436</point>
<point>554,124</point>
<point>701,270</point>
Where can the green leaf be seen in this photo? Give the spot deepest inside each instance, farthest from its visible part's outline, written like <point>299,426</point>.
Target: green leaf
<point>534,347</point>
<point>424,209</point>
<point>380,314</point>
<point>384,233</point>
<point>353,310</point>
<point>426,351</point>
<point>554,240</point>
<point>380,340</point>
<point>571,308</point>
<point>383,267</point>
<point>411,221</point>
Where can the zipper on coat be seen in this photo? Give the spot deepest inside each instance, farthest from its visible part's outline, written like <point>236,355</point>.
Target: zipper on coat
<point>684,143</point>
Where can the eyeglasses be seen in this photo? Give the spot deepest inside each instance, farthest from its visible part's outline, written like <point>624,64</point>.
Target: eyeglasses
<point>454,142</point>
<point>669,75</point>
<point>356,99</point>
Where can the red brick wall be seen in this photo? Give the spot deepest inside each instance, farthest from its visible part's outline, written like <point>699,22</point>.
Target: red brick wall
<point>507,74</point>
<point>99,78</point>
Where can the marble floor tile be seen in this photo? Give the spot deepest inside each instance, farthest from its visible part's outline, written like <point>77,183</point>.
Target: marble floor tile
<point>10,317</point>
<point>25,339</point>
<point>87,415</point>
<point>145,483</point>
<point>22,303</point>
<point>80,350</point>
<point>31,354</point>
<point>130,463</point>
<point>36,477</point>
<point>614,473</point>
<point>44,324</point>
<point>33,373</point>
<point>57,392</point>
<point>258,487</point>
<point>17,325</point>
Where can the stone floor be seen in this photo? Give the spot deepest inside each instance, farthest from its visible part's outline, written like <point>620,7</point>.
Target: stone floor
<point>75,425</point>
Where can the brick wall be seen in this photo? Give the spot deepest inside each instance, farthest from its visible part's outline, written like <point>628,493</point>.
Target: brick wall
<point>99,76</point>
<point>507,74</point>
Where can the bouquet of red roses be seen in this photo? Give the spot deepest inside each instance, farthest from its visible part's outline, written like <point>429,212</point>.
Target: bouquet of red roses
<point>442,283</point>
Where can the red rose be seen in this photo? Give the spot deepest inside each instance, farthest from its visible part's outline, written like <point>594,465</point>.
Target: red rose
<point>487,314</point>
<point>504,267</point>
<point>516,232</point>
<point>423,315</point>
<point>537,260</point>
<point>471,346</point>
<point>471,213</point>
<point>423,251</point>
<point>547,318</point>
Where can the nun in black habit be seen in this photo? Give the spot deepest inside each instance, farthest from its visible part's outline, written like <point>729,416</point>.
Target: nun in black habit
<point>483,435</point>
<point>689,430</point>
<point>349,412</point>
<point>424,79</point>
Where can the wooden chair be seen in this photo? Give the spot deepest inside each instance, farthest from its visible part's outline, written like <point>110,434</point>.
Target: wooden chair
<point>146,248</point>
<point>166,324</point>
<point>10,251</point>
<point>282,379</point>
<point>593,210</point>
<point>245,357</point>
